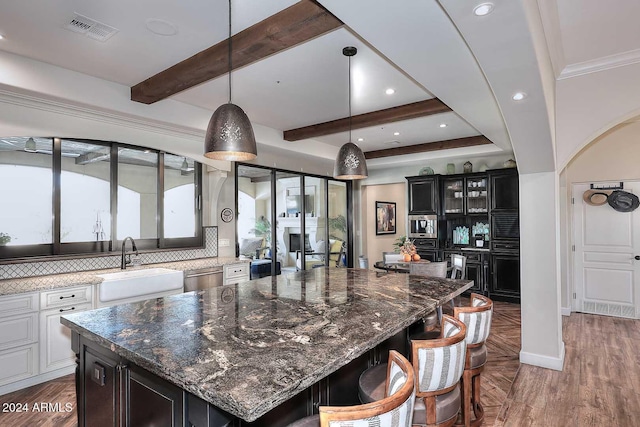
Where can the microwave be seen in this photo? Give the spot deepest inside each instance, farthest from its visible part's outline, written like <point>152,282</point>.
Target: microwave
<point>425,226</point>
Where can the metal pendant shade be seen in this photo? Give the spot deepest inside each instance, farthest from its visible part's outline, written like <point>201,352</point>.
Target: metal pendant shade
<point>229,134</point>
<point>350,162</point>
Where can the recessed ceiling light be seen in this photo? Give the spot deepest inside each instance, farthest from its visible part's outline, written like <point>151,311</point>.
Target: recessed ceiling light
<point>519,96</point>
<point>443,125</point>
<point>1,37</point>
<point>161,27</point>
<point>396,133</point>
<point>393,142</point>
<point>390,91</point>
<point>360,139</point>
<point>483,9</point>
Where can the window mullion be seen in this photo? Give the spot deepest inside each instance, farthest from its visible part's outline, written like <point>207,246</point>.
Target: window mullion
<point>160,200</point>
<point>57,171</point>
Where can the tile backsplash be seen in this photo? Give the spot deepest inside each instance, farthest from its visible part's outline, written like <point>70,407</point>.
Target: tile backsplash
<point>41,268</point>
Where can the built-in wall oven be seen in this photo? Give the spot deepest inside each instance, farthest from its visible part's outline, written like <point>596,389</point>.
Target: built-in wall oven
<point>423,226</point>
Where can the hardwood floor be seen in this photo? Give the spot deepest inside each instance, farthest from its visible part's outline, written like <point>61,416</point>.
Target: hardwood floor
<point>599,386</point>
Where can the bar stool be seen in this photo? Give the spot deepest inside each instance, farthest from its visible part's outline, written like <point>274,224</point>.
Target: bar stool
<point>438,365</point>
<point>477,317</point>
<point>394,408</point>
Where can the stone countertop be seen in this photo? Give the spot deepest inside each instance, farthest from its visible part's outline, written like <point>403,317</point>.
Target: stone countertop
<point>248,347</point>
<point>81,278</point>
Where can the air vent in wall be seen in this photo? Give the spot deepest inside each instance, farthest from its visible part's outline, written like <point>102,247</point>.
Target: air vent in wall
<point>90,27</point>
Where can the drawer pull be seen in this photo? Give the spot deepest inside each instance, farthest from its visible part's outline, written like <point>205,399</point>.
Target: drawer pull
<point>67,309</point>
<point>72,296</point>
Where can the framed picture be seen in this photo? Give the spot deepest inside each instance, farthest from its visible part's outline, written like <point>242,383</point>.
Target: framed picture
<point>385,218</point>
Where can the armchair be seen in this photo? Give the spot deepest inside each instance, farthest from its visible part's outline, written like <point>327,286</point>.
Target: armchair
<point>317,258</point>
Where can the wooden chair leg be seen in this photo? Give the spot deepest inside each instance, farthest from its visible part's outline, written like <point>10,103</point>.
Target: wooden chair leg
<point>466,397</point>
<point>478,410</point>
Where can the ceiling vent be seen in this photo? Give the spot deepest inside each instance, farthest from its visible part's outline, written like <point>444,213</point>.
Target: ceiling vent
<point>90,27</point>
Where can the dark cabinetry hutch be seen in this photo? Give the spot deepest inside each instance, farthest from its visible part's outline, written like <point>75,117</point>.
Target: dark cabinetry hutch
<point>477,217</point>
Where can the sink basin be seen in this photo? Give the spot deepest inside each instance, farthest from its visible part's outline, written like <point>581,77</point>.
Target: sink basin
<point>136,285</point>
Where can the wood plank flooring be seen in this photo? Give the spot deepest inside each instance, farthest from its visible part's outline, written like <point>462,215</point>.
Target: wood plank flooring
<point>599,386</point>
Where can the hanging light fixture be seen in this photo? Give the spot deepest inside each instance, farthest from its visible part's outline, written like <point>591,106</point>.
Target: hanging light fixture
<point>350,163</point>
<point>30,146</point>
<point>229,134</point>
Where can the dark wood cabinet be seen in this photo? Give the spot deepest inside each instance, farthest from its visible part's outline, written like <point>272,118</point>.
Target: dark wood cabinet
<point>504,189</point>
<point>480,203</point>
<point>505,277</point>
<point>152,401</point>
<point>423,194</point>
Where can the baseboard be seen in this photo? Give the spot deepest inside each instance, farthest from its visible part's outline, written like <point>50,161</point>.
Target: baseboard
<point>555,363</point>
<point>37,379</point>
<point>566,311</point>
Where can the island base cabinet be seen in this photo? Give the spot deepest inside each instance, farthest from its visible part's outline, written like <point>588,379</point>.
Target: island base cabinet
<point>152,401</point>
<point>98,390</point>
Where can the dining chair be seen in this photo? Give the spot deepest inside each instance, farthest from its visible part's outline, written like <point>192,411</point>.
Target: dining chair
<point>433,319</point>
<point>394,408</point>
<point>458,266</point>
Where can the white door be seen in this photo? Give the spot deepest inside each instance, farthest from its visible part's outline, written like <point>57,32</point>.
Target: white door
<point>606,273</point>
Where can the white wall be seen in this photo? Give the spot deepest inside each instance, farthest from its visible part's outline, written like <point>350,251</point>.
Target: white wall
<point>539,261</point>
<point>613,156</point>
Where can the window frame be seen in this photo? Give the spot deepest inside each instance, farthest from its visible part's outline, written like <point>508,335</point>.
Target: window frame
<point>113,245</point>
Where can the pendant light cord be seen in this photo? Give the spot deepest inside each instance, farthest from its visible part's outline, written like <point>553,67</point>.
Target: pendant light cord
<point>230,50</point>
<point>349,99</point>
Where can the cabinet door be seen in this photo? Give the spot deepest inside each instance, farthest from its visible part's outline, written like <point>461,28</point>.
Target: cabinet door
<point>99,396</point>
<point>474,272</point>
<point>152,401</point>
<point>453,196</point>
<point>55,339</point>
<point>504,190</point>
<point>423,196</point>
<point>505,282</point>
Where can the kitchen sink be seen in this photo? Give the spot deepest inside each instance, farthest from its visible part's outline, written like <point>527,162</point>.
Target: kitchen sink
<point>136,285</point>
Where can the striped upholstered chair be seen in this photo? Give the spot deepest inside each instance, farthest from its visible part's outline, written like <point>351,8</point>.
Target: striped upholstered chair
<point>395,408</point>
<point>477,317</point>
<point>438,365</point>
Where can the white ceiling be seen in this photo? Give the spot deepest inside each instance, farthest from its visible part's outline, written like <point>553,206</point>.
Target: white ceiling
<point>421,49</point>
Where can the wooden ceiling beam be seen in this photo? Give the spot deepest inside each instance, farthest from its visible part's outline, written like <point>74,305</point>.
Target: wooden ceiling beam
<point>292,26</point>
<point>428,146</point>
<point>374,118</point>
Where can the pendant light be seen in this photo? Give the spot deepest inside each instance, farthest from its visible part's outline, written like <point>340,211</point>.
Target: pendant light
<point>30,146</point>
<point>229,134</point>
<point>350,163</point>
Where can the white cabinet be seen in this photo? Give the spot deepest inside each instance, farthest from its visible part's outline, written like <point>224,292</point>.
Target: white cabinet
<point>55,339</point>
<point>236,273</point>
<point>18,337</point>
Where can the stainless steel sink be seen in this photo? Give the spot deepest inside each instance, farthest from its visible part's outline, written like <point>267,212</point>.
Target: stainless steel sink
<point>136,285</point>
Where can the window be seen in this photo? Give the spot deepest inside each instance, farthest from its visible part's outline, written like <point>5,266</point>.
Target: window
<point>26,188</point>
<point>78,196</point>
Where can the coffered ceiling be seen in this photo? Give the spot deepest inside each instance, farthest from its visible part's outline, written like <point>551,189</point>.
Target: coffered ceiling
<point>421,50</point>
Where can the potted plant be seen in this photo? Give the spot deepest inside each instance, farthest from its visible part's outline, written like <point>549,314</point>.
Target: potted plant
<point>4,239</point>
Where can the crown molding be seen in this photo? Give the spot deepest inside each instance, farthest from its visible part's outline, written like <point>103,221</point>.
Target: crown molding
<point>59,106</point>
<point>601,64</point>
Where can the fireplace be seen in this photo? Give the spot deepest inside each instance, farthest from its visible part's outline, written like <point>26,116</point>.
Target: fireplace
<point>294,242</point>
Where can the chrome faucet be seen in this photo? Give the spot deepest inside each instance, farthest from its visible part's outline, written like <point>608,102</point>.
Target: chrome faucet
<point>123,260</point>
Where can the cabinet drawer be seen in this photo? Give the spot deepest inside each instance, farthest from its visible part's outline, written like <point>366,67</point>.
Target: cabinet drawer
<point>18,330</point>
<point>67,296</point>
<point>511,247</point>
<point>18,363</point>
<point>18,304</point>
<point>236,270</point>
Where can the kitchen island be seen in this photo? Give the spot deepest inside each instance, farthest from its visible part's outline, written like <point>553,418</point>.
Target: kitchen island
<point>269,350</point>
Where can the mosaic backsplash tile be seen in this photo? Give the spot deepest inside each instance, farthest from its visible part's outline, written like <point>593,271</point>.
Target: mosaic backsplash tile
<point>41,268</point>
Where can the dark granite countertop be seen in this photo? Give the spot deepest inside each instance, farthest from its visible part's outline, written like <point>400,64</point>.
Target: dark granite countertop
<point>248,347</point>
